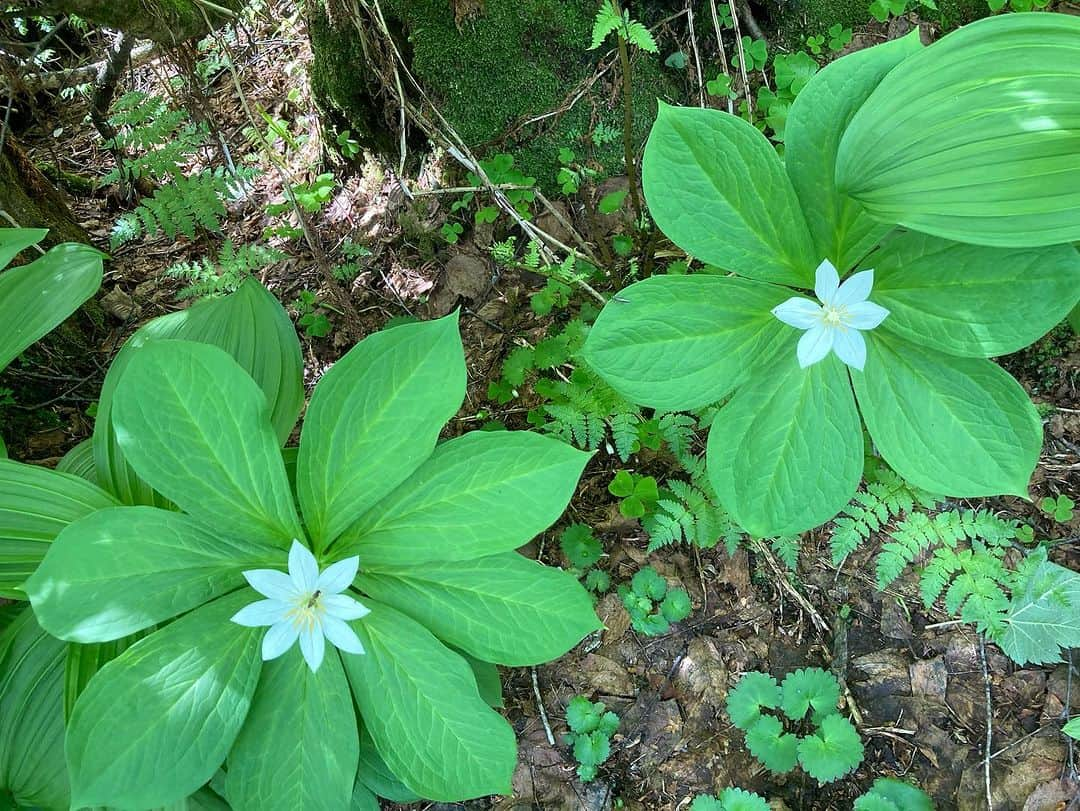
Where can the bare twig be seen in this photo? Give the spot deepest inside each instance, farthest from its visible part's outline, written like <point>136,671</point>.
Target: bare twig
<point>785,584</point>
<point>720,46</point>
<point>697,56</point>
<point>742,58</point>
<point>989,723</point>
<point>540,708</point>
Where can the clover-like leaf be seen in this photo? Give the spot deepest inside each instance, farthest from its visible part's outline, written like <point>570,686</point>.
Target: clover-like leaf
<point>754,692</point>
<point>833,751</point>
<point>775,748</point>
<point>809,687</point>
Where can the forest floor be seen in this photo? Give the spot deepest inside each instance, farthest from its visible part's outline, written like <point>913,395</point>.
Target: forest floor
<point>916,679</point>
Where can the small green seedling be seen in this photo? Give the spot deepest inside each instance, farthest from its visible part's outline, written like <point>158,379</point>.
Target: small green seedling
<point>310,315</point>
<point>815,44</point>
<point>609,20</point>
<point>637,494</point>
<point>720,86</point>
<point>1060,508</point>
<point>583,550</point>
<point>839,37</point>
<point>830,747</point>
<point>452,231</point>
<point>653,606</point>
<point>348,146</point>
<point>612,202</point>
<point>730,799</point>
<point>756,52</point>
<point>591,727</point>
<point>889,794</point>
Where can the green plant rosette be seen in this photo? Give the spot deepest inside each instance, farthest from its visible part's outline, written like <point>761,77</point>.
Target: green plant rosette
<point>786,449</point>
<point>433,524</point>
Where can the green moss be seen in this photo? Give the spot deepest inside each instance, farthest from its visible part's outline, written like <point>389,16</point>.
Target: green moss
<point>160,20</point>
<point>802,18</point>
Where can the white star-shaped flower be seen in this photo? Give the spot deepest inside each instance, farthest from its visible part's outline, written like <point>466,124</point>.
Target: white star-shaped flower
<point>838,322</point>
<point>304,605</point>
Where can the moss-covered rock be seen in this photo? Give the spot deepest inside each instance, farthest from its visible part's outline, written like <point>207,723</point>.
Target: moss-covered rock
<point>487,72</point>
<point>166,21</point>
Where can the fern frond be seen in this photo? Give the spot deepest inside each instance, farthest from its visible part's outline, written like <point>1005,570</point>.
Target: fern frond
<point>179,207</point>
<point>883,500</point>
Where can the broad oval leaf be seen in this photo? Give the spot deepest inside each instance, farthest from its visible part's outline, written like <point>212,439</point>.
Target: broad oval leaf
<point>842,229</point>
<point>957,426</point>
<point>253,327</point>
<point>32,767</point>
<point>976,138</point>
<point>196,427</point>
<point>373,772</point>
<point>37,297</point>
<point>408,681</point>
<point>972,300</point>
<point>36,504</point>
<point>15,240</point>
<point>374,418</point>
<point>299,747</point>
<point>715,186</point>
<point>680,342</point>
<point>786,453</point>
<point>504,609</point>
<point>123,569</point>
<point>177,697</point>
<point>479,494</point>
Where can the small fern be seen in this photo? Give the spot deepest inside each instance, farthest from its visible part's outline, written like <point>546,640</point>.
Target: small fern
<point>162,139</point>
<point>885,498</point>
<point>689,512</point>
<point>216,277</point>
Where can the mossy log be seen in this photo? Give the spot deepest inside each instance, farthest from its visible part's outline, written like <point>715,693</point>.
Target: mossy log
<point>29,199</point>
<point>165,21</point>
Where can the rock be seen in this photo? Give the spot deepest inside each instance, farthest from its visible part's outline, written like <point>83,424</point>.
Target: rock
<point>929,678</point>
<point>605,676</point>
<point>550,224</point>
<point>895,622</point>
<point>468,276</point>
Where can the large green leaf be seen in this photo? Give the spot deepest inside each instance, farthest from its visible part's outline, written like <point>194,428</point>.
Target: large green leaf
<point>419,701</point>
<point>842,230</point>
<point>37,297</point>
<point>84,661</point>
<point>178,697</point>
<point>35,505</point>
<point>373,772</point>
<point>479,494</point>
<point>678,342</point>
<point>123,569</point>
<point>32,767</point>
<point>196,427</point>
<point>79,461</point>
<point>253,327</point>
<point>299,746</point>
<point>505,608</point>
<point>1043,617</point>
<point>958,426</point>
<point>15,240</point>
<point>717,189</point>
<point>374,418</point>
<point>976,137</point>
<point>972,300</point>
<point>786,453</point>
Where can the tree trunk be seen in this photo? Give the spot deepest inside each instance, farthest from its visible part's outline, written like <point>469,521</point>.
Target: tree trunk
<point>165,21</point>
<point>30,200</point>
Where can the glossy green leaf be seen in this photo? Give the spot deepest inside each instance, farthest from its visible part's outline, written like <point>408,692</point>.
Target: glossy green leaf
<point>376,775</point>
<point>715,186</point>
<point>374,418</point>
<point>79,461</point>
<point>679,342</point>
<point>37,297</point>
<point>957,426</point>
<point>903,796</point>
<point>123,569</point>
<point>177,697</point>
<point>32,768</point>
<point>976,137</point>
<point>479,494</point>
<point>35,505</point>
<point>15,240</point>
<point>786,453</point>
<point>253,327</point>
<point>505,608</point>
<point>196,427</point>
<point>299,746</point>
<point>409,681</point>
<point>84,661</point>
<point>768,742</point>
<point>842,229</point>
<point>971,300</point>
<point>831,752</point>
<point>363,799</point>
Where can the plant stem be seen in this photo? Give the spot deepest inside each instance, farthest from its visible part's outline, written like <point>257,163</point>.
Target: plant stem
<point>628,128</point>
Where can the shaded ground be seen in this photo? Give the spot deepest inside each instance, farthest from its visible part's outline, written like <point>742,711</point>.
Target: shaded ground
<point>916,679</point>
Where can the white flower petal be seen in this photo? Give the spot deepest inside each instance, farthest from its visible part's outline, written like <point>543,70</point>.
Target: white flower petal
<point>826,281</point>
<point>339,576</point>
<point>814,345</point>
<point>865,315</point>
<point>270,583</point>
<point>263,612</point>
<point>303,568</point>
<point>279,639</point>
<point>850,346</point>
<point>798,312</point>
<point>344,607</point>
<point>855,288</point>
<point>341,636</point>
<point>313,646</point>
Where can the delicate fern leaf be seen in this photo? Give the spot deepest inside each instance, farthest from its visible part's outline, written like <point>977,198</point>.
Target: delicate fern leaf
<point>806,688</point>
<point>768,742</point>
<point>624,432</point>
<point>677,430</point>
<point>1042,617</point>
<point>833,751</point>
<point>637,34</point>
<point>607,20</point>
<point>662,530</point>
<point>937,574</point>
<point>754,692</point>
<point>787,548</point>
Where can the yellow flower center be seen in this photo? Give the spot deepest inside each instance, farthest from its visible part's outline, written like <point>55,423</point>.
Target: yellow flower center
<point>306,611</point>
